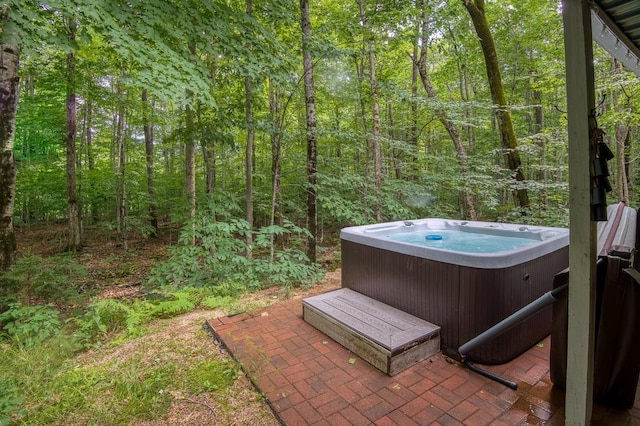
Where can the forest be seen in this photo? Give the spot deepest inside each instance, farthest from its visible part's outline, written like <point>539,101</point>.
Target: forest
<point>243,135</point>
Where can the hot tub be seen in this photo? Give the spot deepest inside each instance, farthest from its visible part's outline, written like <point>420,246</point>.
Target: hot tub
<point>465,286</point>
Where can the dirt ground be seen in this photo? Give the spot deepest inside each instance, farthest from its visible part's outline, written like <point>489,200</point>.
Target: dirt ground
<point>116,273</point>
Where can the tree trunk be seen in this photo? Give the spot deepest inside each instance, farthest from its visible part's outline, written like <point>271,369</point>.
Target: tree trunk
<point>397,162</point>
<point>190,161</point>
<point>147,127</point>
<point>538,113</point>
<point>88,135</point>
<point>312,148</point>
<point>91,161</point>
<point>536,126</point>
<point>73,242</point>
<point>208,154</point>
<point>627,161</point>
<point>415,74</point>
<point>360,111</point>
<point>463,89</point>
<point>468,200</point>
<point>375,116</point>
<point>190,155</point>
<point>276,115</point>
<point>503,115</point>
<point>9,65</point>
<point>209,157</point>
<point>120,152</point>
<point>249,152</point>
<point>622,139</point>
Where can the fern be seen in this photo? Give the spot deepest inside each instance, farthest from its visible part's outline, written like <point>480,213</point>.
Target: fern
<point>181,304</point>
<point>181,301</point>
<point>105,317</point>
<point>215,302</point>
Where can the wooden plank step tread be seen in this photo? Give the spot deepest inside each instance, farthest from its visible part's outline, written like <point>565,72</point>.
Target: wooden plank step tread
<point>386,337</point>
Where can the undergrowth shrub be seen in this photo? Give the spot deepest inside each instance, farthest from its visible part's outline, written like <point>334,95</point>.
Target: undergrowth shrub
<point>34,279</point>
<point>10,403</point>
<point>219,256</point>
<point>29,325</point>
<point>107,317</point>
<point>104,317</point>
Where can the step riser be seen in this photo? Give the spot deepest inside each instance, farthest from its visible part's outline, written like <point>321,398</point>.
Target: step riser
<point>405,350</point>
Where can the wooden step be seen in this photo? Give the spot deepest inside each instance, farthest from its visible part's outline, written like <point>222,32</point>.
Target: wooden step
<point>388,338</point>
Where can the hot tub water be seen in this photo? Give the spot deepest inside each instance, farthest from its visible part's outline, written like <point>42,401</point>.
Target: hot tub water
<point>468,242</point>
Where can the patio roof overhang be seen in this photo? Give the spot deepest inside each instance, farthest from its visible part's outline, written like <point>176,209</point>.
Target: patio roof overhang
<point>615,25</point>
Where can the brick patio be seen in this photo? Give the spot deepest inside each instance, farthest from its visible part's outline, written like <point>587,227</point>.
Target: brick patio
<point>309,379</point>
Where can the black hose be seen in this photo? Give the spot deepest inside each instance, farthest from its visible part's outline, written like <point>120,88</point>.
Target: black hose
<point>537,305</point>
<point>557,291</point>
<point>504,325</point>
<point>490,375</point>
<point>509,322</point>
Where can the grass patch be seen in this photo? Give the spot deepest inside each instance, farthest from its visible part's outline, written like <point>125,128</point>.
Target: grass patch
<point>210,376</point>
<point>136,380</point>
<point>57,392</point>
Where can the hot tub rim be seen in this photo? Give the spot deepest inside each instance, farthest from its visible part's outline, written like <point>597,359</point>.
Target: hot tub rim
<point>366,235</point>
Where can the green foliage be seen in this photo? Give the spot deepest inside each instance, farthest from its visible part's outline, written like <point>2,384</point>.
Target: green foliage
<point>105,317</point>
<point>10,403</point>
<point>219,256</point>
<point>178,302</point>
<point>52,279</point>
<point>29,325</point>
<point>210,48</point>
<point>289,268</point>
<point>340,197</point>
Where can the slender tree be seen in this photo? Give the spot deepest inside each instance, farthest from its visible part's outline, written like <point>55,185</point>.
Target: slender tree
<point>120,165</point>
<point>397,163</point>
<point>413,129</point>
<point>248,163</point>
<point>276,115</point>
<point>312,143</point>
<point>462,67</point>
<point>476,9</point>
<point>208,153</point>
<point>468,201</point>
<point>147,127</point>
<point>375,115</point>
<point>89,150</point>
<point>9,78</point>
<point>190,153</point>
<point>74,238</point>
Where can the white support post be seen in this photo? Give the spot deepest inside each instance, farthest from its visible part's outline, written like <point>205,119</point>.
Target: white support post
<point>582,244</point>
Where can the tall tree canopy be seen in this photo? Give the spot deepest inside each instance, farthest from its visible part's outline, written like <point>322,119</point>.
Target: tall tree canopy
<point>188,108</point>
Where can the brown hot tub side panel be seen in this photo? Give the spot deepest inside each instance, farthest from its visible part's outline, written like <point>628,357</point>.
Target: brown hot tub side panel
<point>421,287</point>
<point>463,301</point>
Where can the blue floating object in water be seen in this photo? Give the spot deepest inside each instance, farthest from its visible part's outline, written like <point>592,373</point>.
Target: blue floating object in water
<point>433,237</point>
